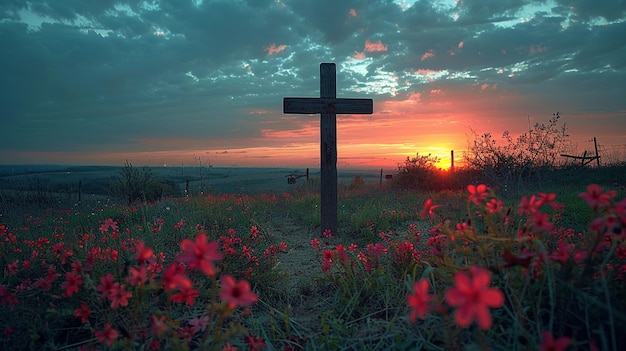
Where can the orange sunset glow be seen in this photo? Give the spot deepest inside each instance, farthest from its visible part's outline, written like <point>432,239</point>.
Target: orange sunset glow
<point>160,87</point>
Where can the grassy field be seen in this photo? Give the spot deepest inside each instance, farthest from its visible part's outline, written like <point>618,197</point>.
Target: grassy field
<point>245,265</point>
<point>96,179</point>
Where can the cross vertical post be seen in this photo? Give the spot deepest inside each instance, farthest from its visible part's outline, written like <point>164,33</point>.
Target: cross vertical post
<point>328,151</point>
<point>328,105</point>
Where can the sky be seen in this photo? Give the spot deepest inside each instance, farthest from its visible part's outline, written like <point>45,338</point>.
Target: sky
<point>201,82</point>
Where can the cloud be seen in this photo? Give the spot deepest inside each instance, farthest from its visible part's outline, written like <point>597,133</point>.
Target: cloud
<point>359,55</point>
<point>375,46</point>
<point>273,49</point>
<point>428,54</point>
<point>114,76</point>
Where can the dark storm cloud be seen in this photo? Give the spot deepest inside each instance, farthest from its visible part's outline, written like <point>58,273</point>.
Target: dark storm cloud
<point>329,17</point>
<point>90,73</point>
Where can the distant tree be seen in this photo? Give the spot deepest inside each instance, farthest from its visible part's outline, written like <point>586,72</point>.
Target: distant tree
<point>138,185</point>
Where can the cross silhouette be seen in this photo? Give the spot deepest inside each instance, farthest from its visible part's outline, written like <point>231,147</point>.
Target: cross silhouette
<point>328,105</point>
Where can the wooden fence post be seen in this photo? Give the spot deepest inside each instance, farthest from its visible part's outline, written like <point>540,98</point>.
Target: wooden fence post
<point>595,144</point>
<point>452,160</point>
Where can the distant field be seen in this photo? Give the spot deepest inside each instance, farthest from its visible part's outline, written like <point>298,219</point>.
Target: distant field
<point>96,179</point>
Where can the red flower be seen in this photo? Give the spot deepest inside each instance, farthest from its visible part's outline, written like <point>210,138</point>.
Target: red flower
<point>541,222</point>
<point>473,296</point>
<point>512,260</point>
<point>549,344</point>
<point>477,193</point>
<point>199,324</point>
<point>180,224</point>
<point>173,278</point>
<point>596,198</point>
<point>61,253</point>
<point>428,209</point>
<point>7,297</point>
<point>315,244</point>
<point>342,254</point>
<point>71,283</point>
<point>12,267</point>
<point>254,344</point>
<point>43,284</point>
<point>119,296</point>
<point>419,300</point>
<point>158,325</point>
<point>199,254</point>
<point>107,335</point>
<point>142,252</point>
<point>106,285</point>
<point>563,252</point>
<point>494,206</point>
<point>77,267</point>
<point>437,244</point>
<point>548,199</point>
<point>376,250</point>
<point>187,296</point>
<point>254,231</point>
<point>236,293</point>
<point>327,260</point>
<point>108,223</point>
<point>83,313</point>
<point>138,275</point>
<point>327,234</point>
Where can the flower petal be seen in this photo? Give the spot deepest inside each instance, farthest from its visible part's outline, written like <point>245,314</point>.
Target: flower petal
<point>454,297</point>
<point>481,278</point>
<point>483,317</point>
<point>493,298</point>
<point>464,315</point>
<point>463,282</point>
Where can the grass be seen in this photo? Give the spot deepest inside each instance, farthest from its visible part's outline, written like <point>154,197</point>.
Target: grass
<point>558,278</point>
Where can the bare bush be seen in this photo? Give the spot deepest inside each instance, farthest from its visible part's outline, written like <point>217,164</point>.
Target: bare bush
<point>138,185</point>
<point>523,158</point>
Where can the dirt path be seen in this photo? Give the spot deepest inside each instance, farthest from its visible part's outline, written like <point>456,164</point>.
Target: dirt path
<point>297,298</point>
<point>300,260</point>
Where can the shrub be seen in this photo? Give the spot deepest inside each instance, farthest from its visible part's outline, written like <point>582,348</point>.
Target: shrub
<point>524,158</point>
<point>418,173</point>
<point>138,184</point>
<point>357,183</point>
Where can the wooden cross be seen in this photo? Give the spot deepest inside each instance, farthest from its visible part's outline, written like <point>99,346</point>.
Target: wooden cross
<point>328,105</point>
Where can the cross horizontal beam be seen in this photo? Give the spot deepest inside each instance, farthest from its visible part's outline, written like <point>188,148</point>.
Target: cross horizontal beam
<point>327,106</point>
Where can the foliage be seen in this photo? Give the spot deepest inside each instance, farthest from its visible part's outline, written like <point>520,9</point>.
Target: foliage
<point>549,280</point>
<point>408,270</point>
<point>420,173</point>
<point>523,158</point>
<point>105,285</point>
<point>138,185</point>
